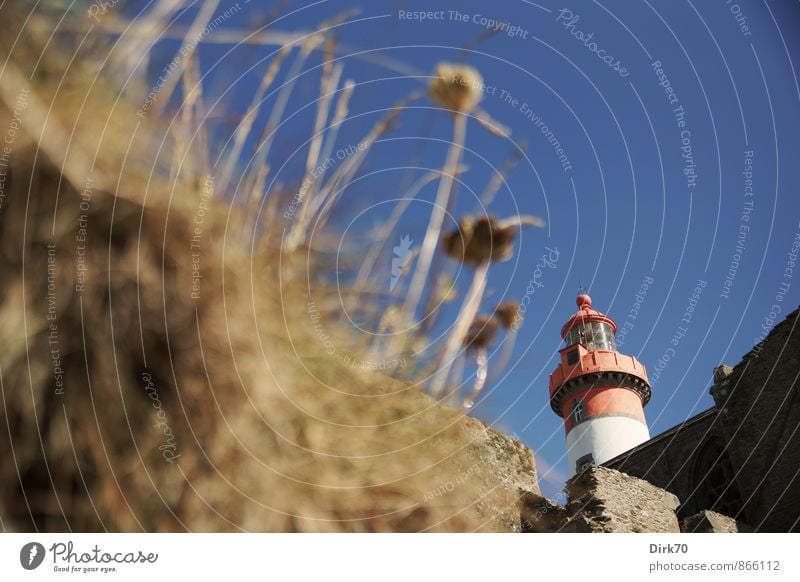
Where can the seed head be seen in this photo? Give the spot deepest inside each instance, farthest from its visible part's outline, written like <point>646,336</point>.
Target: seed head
<point>456,87</point>
<point>507,313</point>
<point>477,240</point>
<point>481,332</point>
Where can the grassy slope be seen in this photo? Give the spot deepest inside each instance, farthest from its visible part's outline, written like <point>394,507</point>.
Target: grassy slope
<point>272,433</point>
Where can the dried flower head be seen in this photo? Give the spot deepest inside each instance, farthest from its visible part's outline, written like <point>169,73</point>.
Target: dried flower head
<point>507,313</point>
<point>481,332</point>
<point>456,87</point>
<point>478,240</point>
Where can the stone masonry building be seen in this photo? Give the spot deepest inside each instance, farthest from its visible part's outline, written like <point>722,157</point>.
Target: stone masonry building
<point>741,457</point>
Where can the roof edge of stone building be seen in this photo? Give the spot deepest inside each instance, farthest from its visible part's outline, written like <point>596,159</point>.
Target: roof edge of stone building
<point>755,350</point>
<point>762,346</point>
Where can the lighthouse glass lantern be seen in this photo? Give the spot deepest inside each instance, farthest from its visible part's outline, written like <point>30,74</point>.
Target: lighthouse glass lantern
<point>599,392</point>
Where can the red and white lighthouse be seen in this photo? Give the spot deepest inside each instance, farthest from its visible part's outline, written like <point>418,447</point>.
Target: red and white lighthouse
<point>599,392</point>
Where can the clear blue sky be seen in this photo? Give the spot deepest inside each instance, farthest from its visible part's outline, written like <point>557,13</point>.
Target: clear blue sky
<point>624,211</point>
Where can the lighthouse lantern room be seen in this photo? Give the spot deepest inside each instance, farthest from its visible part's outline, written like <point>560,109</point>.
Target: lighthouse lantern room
<point>599,392</point>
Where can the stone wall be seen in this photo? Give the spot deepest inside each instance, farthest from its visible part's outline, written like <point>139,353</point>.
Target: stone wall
<point>742,457</point>
<point>507,472</point>
<point>669,460</point>
<point>540,515</point>
<point>602,500</point>
<point>710,522</point>
<point>760,420</point>
<point>605,500</point>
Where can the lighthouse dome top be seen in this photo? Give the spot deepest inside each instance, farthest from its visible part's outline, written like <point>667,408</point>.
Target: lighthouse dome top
<point>583,319</point>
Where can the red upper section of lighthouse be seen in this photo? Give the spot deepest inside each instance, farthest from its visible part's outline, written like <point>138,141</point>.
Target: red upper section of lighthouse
<point>586,314</point>
<point>590,359</point>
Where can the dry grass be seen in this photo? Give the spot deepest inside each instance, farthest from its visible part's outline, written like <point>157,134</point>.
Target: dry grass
<point>256,427</point>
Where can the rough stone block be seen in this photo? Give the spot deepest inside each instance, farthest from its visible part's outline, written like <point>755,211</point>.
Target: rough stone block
<point>710,522</point>
<point>540,515</point>
<point>605,500</point>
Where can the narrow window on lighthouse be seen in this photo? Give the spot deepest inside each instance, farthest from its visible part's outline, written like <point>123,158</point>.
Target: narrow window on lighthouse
<point>577,412</point>
<point>584,463</point>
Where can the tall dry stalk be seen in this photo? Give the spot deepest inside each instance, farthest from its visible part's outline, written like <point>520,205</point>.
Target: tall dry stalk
<point>510,318</point>
<point>331,133</point>
<point>458,89</point>
<point>467,313</point>
<point>187,49</point>
<point>383,234</point>
<point>308,44</point>
<point>482,361</point>
<point>317,209</point>
<point>329,81</point>
<point>246,125</point>
<point>434,231</point>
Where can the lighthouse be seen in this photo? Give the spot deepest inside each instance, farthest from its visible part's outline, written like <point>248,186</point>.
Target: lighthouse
<point>599,392</point>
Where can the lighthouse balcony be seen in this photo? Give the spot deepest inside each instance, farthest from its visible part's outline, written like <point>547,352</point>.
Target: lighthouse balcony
<point>580,367</point>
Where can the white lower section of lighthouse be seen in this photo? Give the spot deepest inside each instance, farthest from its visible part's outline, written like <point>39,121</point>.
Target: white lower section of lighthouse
<point>603,437</point>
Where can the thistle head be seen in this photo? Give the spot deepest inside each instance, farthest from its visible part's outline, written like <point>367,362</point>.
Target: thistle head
<point>478,240</point>
<point>456,87</point>
<point>482,331</point>
<point>507,313</point>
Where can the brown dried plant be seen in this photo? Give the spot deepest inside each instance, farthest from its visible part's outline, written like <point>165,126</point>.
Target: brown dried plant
<point>476,242</point>
<point>144,391</point>
<point>458,88</point>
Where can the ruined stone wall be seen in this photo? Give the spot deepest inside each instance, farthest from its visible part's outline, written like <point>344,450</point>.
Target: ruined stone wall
<point>743,457</point>
<point>669,460</point>
<point>605,500</point>
<point>760,420</point>
<point>711,522</point>
<point>602,500</point>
